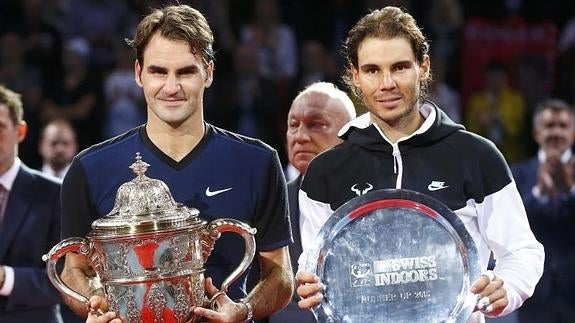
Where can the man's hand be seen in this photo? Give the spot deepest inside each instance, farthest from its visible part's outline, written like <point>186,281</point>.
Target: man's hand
<point>78,275</point>
<point>309,290</point>
<point>554,177</point>
<point>226,311</point>
<point>491,295</point>
<point>96,315</point>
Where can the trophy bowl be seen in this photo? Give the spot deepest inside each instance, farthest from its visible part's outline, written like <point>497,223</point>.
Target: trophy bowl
<point>394,256</point>
<point>149,253</point>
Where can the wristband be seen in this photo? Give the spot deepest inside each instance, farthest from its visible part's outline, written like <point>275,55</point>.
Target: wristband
<point>249,309</point>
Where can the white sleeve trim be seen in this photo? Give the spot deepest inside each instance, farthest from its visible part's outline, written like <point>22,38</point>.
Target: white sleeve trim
<point>519,257</point>
<point>313,215</point>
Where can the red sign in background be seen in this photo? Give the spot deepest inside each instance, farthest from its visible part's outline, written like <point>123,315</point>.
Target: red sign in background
<point>507,41</point>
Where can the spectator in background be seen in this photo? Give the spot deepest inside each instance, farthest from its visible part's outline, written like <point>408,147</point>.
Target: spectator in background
<point>498,113</point>
<point>315,117</point>
<point>25,78</point>
<point>442,94</point>
<point>76,95</point>
<point>274,40</point>
<point>98,22</point>
<point>58,146</point>
<point>546,183</point>
<point>445,20</point>
<point>313,63</point>
<point>29,225</point>
<point>123,97</point>
<point>248,102</point>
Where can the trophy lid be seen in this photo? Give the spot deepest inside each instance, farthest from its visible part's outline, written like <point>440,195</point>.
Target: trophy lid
<point>144,205</point>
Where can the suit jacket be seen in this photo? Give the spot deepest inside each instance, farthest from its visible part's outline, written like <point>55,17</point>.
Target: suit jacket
<point>29,229</point>
<point>552,222</point>
<point>292,313</point>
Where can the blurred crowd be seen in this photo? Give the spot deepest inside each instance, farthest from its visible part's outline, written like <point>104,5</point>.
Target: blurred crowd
<point>493,62</point>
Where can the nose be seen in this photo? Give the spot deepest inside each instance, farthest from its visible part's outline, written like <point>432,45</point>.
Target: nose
<point>387,81</point>
<point>172,84</point>
<point>301,134</point>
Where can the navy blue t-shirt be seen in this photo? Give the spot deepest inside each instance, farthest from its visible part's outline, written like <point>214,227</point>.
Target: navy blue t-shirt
<point>246,171</point>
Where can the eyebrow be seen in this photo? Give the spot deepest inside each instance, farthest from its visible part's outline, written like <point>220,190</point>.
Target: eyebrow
<point>398,63</point>
<point>185,69</point>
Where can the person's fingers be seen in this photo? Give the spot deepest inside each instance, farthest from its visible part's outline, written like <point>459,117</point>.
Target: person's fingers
<point>211,289</point>
<point>305,278</point>
<point>482,282</point>
<point>97,304</point>
<point>108,317</point>
<point>307,290</point>
<point>311,301</point>
<point>497,306</point>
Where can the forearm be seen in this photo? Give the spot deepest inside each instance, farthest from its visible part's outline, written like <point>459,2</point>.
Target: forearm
<point>82,279</point>
<point>274,290</point>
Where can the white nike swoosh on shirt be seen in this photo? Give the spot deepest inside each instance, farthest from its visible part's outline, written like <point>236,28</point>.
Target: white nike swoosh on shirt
<point>212,193</point>
<point>435,188</point>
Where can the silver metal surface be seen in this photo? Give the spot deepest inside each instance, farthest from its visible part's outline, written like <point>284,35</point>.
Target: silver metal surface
<point>149,253</point>
<point>394,256</point>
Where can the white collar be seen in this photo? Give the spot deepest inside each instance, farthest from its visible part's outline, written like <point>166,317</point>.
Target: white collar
<point>47,169</point>
<point>7,179</point>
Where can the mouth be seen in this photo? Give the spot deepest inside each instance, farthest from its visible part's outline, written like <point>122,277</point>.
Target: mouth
<point>171,102</point>
<point>388,102</point>
<point>303,154</point>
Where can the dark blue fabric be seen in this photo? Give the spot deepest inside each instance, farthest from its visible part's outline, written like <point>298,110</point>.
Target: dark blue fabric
<point>31,226</point>
<point>292,313</point>
<point>222,160</point>
<point>552,221</point>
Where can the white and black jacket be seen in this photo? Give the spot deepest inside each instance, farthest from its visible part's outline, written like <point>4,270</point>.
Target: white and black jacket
<point>441,159</point>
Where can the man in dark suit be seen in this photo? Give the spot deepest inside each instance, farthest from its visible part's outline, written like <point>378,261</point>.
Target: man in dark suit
<point>546,185</point>
<point>315,117</point>
<point>29,225</point>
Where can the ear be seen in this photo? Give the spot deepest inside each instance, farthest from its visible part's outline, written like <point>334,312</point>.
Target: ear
<point>425,67</point>
<point>354,75</point>
<point>209,74</point>
<point>22,129</point>
<point>138,73</point>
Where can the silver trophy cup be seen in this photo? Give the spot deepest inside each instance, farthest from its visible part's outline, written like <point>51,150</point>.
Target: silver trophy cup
<point>149,253</point>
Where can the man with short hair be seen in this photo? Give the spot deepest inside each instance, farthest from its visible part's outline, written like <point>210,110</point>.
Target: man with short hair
<point>58,146</point>
<point>29,225</point>
<point>316,115</point>
<point>220,173</point>
<point>406,142</point>
<point>547,185</point>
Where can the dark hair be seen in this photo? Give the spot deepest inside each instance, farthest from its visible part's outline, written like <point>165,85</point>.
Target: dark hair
<point>176,22</point>
<point>13,102</point>
<point>387,23</point>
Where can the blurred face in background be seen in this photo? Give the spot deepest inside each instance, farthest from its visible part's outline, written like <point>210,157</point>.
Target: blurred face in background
<point>10,136</point>
<point>58,145</point>
<point>313,122</point>
<point>554,131</point>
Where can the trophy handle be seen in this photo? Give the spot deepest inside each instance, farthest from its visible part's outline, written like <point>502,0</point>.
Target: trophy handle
<point>77,245</point>
<point>214,229</point>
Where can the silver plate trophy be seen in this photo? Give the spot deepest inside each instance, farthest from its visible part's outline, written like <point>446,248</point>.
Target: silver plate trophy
<point>394,256</point>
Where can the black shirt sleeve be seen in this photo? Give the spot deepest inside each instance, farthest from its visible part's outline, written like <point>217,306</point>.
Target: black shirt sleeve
<point>78,212</point>
<point>272,218</point>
